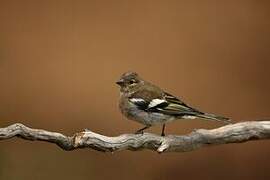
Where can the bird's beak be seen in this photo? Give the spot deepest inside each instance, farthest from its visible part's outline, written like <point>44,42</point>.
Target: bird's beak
<point>120,82</point>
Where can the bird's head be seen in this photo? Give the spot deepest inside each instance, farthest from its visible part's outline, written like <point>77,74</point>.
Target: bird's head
<point>129,82</point>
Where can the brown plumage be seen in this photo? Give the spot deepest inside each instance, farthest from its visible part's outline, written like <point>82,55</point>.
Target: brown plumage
<point>148,104</point>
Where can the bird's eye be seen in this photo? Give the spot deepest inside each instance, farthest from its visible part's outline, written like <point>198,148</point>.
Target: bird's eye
<point>132,81</point>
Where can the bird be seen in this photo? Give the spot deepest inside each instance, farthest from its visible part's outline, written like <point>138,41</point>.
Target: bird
<point>148,104</point>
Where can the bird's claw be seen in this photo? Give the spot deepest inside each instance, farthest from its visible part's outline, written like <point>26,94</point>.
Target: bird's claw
<point>139,132</point>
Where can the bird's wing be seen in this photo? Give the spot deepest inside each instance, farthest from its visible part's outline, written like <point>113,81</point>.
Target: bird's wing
<point>146,98</point>
<point>177,107</point>
<point>158,101</point>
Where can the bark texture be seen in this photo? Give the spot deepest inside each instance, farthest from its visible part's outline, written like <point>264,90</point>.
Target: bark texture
<point>233,133</point>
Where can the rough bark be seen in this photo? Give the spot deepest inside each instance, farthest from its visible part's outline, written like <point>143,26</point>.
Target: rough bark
<point>233,133</point>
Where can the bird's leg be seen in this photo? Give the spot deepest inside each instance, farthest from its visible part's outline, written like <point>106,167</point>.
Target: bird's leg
<point>163,129</point>
<point>140,131</point>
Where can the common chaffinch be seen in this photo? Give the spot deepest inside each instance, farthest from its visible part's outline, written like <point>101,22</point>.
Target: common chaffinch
<point>148,104</point>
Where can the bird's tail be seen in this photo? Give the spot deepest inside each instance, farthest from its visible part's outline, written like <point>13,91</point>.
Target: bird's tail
<point>214,118</point>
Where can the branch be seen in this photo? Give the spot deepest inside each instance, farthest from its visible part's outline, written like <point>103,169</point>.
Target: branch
<point>233,133</point>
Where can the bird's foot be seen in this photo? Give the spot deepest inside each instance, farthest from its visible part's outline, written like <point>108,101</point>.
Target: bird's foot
<point>163,130</point>
<point>139,132</point>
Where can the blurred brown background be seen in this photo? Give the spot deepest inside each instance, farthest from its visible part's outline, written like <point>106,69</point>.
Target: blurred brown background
<point>59,61</point>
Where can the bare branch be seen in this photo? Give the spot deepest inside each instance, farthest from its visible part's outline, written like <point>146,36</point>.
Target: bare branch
<point>233,133</point>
